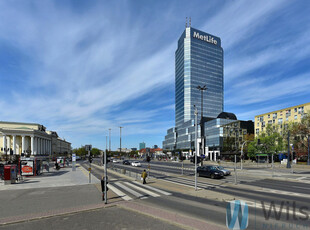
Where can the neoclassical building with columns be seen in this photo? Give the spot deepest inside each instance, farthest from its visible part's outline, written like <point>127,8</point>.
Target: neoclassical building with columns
<point>32,139</point>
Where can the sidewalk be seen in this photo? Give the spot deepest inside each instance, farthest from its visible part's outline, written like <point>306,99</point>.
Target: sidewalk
<point>54,178</point>
<point>63,199</point>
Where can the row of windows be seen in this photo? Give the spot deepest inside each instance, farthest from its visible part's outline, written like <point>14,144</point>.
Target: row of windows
<point>300,110</point>
<point>280,121</point>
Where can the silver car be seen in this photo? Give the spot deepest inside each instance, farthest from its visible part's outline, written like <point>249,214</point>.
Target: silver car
<point>225,171</point>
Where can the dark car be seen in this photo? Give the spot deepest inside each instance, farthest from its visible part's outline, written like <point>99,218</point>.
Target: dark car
<point>210,171</point>
<point>126,162</point>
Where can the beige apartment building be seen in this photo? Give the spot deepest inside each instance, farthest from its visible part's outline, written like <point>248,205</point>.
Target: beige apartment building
<point>280,117</point>
<point>30,139</point>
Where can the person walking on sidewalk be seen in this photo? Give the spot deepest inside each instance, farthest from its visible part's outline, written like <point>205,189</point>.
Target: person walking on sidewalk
<point>144,175</point>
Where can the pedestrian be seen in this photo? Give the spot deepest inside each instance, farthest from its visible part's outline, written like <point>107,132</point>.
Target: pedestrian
<point>103,187</point>
<point>144,175</point>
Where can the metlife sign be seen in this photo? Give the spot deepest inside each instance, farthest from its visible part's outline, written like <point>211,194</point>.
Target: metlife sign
<point>206,38</point>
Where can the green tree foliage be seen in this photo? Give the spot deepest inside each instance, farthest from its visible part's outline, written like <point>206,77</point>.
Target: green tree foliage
<point>300,132</point>
<point>80,151</point>
<point>95,152</point>
<point>270,142</point>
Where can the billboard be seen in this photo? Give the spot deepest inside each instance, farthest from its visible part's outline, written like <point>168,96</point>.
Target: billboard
<point>27,168</point>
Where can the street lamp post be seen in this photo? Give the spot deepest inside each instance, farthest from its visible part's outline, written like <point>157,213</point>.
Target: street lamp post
<point>288,165</point>
<point>242,154</point>
<point>196,114</point>
<point>120,139</point>
<point>308,162</point>
<point>109,140</point>
<point>201,89</point>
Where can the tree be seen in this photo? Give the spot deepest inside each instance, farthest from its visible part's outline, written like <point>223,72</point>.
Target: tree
<point>300,133</point>
<point>271,142</point>
<point>95,152</point>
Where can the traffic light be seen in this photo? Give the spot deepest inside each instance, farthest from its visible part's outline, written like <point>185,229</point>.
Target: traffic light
<point>148,159</point>
<point>181,157</point>
<point>258,141</point>
<point>90,158</point>
<point>198,160</point>
<point>107,159</point>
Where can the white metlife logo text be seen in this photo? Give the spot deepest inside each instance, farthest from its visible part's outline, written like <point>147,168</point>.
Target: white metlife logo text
<point>209,39</point>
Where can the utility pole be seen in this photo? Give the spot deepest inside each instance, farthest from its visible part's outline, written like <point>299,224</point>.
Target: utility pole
<point>110,140</point>
<point>120,139</point>
<point>288,165</point>
<point>202,135</point>
<point>308,162</point>
<point>196,146</point>
<point>235,169</point>
<point>105,177</point>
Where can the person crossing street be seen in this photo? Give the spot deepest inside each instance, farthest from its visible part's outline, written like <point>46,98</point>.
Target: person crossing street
<point>143,176</point>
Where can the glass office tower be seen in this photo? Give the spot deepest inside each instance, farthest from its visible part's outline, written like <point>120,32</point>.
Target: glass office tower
<point>198,62</point>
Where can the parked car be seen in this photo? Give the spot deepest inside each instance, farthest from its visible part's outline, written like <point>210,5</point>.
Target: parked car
<point>126,162</point>
<point>136,163</point>
<point>209,171</point>
<point>115,161</point>
<point>225,171</point>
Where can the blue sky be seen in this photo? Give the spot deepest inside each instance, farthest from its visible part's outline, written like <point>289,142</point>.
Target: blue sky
<point>82,67</point>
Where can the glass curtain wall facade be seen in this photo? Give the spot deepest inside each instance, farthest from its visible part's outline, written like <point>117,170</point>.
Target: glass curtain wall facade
<point>198,62</point>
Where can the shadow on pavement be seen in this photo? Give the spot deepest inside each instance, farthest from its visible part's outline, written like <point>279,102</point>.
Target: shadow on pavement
<point>55,173</point>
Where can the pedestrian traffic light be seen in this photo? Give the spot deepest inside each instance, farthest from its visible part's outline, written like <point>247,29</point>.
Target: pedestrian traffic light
<point>148,159</point>
<point>90,158</point>
<point>258,141</point>
<point>198,160</point>
<point>107,159</point>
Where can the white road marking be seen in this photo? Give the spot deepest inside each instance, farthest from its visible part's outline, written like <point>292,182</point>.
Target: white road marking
<point>130,190</point>
<point>154,189</point>
<point>142,190</point>
<point>119,193</point>
<point>259,205</point>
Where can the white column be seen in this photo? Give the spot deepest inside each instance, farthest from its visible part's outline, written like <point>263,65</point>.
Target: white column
<point>23,144</point>
<point>14,144</point>
<point>9,144</point>
<point>40,145</point>
<point>44,146</point>
<point>4,143</point>
<point>32,145</point>
<point>214,156</point>
<point>49,147</point>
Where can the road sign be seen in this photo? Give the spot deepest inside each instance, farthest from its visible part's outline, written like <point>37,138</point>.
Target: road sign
<point>88,147</point>
<point>73,157</point>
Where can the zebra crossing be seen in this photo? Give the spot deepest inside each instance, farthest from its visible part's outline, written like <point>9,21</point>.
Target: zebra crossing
<point>135,190</point>
<point>190,182</point>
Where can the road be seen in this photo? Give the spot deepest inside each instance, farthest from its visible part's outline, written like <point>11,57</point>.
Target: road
<point>260,196</point>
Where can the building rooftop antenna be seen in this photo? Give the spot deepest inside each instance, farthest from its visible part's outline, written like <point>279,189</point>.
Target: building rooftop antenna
<point>190,23</point>
<point>186,23</point>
